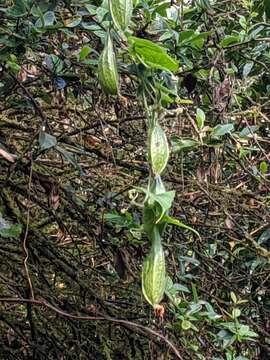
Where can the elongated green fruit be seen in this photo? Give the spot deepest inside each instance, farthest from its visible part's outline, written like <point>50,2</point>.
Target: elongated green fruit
<point>154,272</point>
<point>121,12</point>
<point>107,69</point>
<point>158,149</point>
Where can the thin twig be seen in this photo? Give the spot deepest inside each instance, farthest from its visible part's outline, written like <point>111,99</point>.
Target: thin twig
<point>25,236</point>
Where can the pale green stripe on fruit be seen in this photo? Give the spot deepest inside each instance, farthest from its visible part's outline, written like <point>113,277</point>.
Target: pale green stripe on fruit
<point>121,12</point>
<point>159,149</point>
<point>153,274</point>
<point>107,69</point>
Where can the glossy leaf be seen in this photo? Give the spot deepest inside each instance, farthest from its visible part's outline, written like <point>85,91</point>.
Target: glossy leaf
<point>247,68</point>
<point>161,203</point>
<point>172,221</point>
<point>221,130</point>
<point>263,167</point>
<point>200,118</point>
<point>46,141</point>
<point>18,9</point>
<point>179,144</point>
<point>152,55</point>
<point>47,19</point>
<point>84,52</point>
<point>229,40</point>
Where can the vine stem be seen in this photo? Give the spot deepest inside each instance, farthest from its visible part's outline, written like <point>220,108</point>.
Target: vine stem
<point>26,235</point>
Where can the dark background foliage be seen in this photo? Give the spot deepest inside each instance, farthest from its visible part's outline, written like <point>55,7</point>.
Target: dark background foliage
<point>70,240</point>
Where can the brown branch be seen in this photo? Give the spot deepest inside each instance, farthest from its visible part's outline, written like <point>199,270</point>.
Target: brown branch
<point>35,104</point>
<point>126,323</point>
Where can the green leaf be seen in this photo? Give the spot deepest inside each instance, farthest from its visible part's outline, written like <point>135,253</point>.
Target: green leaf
<point>116,219</point>
<point>8,230</point>
<point>221,130</point>
<point>13,66</point>
<point>185,36</point>
<point>248,130</point>
<point>263,167</point>
<point>84,52</point>
<point>149,217</point>
<point>165,202</point>
<point>244,330</point>
<point>18,9</point>
<point>181,144</point>
<point>192,39</point>
<point>46,141</point>
<point>198,40</point>
<point>47,19</point>
<point>123,221</point>
<point>151,54</point>
<point>161,9</point>
<point>243,22</point>
<point>159,204</point>
<point>247,68</point>
<point>13,231</point>
<point>189,260</point>
<point>236,313</point>
<point>194,308</point>
<point>200,118</point>
<point>229,40</point>
<point>264,237</point>
<point>53,63</point>
<point>231,326</point>
<point>179,287</point>
<point>233,297</point>
<point>239,329</point>
<point>172,221</point>
<point>73,22</point>
<point>267,8</point>
<point>194,293</point>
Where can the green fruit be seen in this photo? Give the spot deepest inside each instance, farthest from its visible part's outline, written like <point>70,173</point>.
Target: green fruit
<point>158,149</point>
<point>154,273</point>
<point>107,69</point>
<point>121,12</point>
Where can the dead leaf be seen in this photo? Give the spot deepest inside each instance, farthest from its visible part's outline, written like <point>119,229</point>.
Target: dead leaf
<point>54,199</point>
<point>6,155</point>
<point>32,71</point>
<point>229,223</point>
<point>159,311</point>
<point>201,175</point>
<point>22,76</point>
